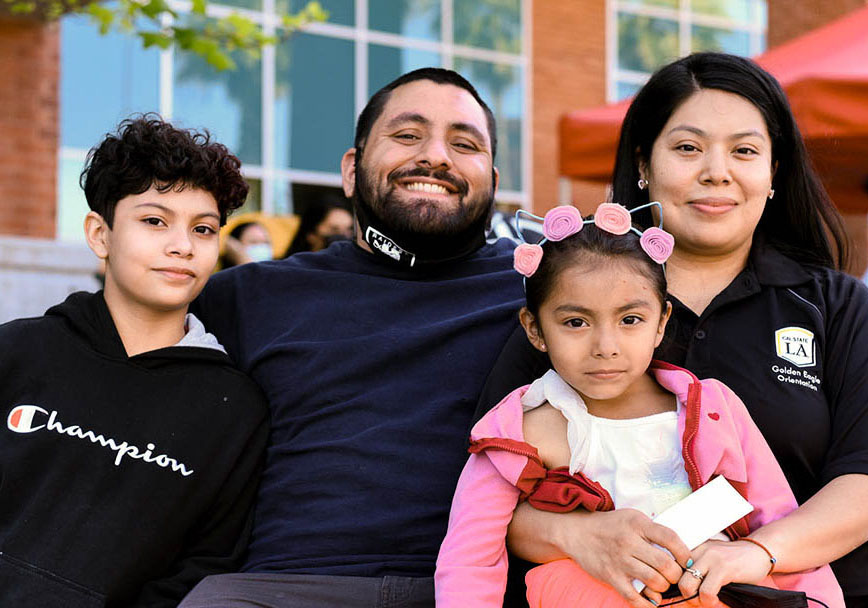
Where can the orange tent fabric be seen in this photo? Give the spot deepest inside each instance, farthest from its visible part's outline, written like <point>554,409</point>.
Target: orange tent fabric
<point>825,75</point>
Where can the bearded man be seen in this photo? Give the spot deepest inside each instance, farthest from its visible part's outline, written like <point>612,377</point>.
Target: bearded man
<point>372,354</point>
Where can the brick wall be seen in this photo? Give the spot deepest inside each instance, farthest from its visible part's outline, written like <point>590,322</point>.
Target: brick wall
<point>29,56</point>
<point>791,18</point>
<point>569,73</point>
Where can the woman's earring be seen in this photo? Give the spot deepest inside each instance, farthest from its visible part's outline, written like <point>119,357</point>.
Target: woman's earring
<point>771,193</point>
<point>642,183</point>
<point>543,346</point>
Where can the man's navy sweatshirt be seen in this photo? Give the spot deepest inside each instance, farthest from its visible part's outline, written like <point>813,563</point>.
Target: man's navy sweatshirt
<point>372,372</point>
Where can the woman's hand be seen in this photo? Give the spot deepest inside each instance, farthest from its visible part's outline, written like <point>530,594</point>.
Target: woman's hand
<point>614,547</point>
<point>719,563</point>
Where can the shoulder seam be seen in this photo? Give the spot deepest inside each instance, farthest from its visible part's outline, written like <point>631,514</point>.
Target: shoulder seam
<point>809,303</point>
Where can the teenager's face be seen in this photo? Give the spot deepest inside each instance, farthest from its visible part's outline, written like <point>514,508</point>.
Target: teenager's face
<point>161,248</point>
<point>711,169</point>
<point>426,165</point>
<point>600,325</point>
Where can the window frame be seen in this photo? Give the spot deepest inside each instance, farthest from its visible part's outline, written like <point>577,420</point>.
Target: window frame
<point>756,28</point>
<point>273,176</point>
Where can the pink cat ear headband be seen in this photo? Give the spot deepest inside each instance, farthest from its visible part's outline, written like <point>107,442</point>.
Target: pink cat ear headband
<point>564,221</point>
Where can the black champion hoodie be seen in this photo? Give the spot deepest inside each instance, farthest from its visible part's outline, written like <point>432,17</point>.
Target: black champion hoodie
<point>123,480</point>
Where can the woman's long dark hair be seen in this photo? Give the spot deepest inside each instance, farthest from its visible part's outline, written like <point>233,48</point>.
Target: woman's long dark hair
<point>801,214</point>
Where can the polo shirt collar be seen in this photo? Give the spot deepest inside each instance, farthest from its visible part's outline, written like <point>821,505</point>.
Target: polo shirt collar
<point>772,267</point>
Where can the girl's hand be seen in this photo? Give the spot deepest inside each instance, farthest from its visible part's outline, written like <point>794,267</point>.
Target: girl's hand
<point>722,562</point>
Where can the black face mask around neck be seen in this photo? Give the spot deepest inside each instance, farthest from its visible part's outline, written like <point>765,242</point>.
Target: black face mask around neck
<point>743,595</point>
<point>411,248</point>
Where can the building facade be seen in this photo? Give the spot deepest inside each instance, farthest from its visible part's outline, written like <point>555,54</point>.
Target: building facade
<point>289,114</point>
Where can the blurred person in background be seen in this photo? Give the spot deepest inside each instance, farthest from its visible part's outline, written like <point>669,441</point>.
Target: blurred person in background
<point>323,222</point>
<point>247,242</point>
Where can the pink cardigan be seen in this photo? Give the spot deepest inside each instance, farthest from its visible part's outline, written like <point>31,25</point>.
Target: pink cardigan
<point>718,438</point>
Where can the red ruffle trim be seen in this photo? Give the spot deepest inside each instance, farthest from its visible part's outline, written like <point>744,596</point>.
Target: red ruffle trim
<point>553,490</point>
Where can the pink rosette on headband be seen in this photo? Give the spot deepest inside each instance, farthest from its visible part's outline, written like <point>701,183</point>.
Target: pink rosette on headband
<point>613,218</point>
<point>658,244</point>
<point>561,222</point>
<point>526,258</point>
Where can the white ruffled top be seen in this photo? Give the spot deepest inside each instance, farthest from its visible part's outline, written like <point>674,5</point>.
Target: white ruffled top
<point>637,460</point>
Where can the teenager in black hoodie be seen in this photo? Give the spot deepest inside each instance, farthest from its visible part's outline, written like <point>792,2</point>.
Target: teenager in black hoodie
<point>130,454</point>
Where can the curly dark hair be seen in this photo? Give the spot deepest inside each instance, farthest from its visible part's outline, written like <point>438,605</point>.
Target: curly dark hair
<point>148,151</point>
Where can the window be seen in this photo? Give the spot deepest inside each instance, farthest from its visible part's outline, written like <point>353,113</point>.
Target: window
<point>290,114</point>
<point>646,34</point>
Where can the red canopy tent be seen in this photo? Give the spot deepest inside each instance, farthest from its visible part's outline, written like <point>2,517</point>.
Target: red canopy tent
<point>825,75</point>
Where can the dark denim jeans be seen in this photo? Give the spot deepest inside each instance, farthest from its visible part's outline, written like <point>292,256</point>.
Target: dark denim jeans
<point>273,590</point>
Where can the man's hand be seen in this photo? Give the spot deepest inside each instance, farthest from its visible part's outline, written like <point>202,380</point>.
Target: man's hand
<point>614,547</point>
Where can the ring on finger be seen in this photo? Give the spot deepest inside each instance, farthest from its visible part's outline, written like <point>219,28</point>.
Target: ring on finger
<point>695,573</point>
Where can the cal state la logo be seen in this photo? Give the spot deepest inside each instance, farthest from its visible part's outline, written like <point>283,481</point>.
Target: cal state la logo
<point>796,345</point>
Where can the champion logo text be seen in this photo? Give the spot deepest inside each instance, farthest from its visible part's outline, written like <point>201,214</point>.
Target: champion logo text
<point>27,418</point>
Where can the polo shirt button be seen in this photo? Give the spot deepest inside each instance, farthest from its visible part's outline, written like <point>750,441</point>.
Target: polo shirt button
<point>699,335</point>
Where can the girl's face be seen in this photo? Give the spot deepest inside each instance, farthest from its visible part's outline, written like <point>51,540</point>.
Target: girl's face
<point>711,169</point>
<point>600,325</point>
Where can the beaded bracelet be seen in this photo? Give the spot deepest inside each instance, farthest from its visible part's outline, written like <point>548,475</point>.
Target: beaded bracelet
<point>764,548</point>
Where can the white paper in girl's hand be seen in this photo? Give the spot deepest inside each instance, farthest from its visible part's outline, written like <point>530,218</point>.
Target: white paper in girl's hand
<point>702,514</point>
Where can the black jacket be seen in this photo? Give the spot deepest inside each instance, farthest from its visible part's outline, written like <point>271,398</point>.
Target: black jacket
<point>123,480</point>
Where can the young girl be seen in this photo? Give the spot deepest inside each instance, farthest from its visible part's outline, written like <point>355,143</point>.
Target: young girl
<point>607,427</point>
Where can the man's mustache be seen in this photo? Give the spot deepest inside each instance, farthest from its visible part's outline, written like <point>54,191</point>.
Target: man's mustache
<point>444,176</point>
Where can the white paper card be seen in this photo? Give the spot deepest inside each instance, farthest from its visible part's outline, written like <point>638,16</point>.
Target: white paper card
<point>702,514</point>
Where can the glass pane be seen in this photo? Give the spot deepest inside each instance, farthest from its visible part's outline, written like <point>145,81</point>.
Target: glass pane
<point>254,197</point>
<point>283,203</point>
<point>646,43</point>
<point>626,89</point>
<point>314,115</point>
<point>715,39</point>
<point>762,13</point>
<point>385,63</point>
<point>739,10</point>
<point>254,5</point>
<point>227,103</point>
<point>71,203</point>
<point>501,86</point>
<point>342,12</point>
<point>489,24</point>
<point>103,79</point>
<point>412,18</point>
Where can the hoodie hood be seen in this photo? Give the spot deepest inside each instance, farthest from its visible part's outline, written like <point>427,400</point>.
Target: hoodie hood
<point>87,316</point>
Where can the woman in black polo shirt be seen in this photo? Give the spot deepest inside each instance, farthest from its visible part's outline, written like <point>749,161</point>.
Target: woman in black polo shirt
<point>758,303</point>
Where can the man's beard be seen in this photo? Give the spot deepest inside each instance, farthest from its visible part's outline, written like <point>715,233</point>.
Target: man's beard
<point>411,212</point>
<point>430,230</point>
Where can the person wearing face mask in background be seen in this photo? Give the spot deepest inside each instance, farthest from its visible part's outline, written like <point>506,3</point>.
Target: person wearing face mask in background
<point>247,242</point>
<point>323,222</point>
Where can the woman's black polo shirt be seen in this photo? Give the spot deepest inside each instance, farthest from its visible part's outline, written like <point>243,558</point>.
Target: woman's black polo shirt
<point>792,342</point>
